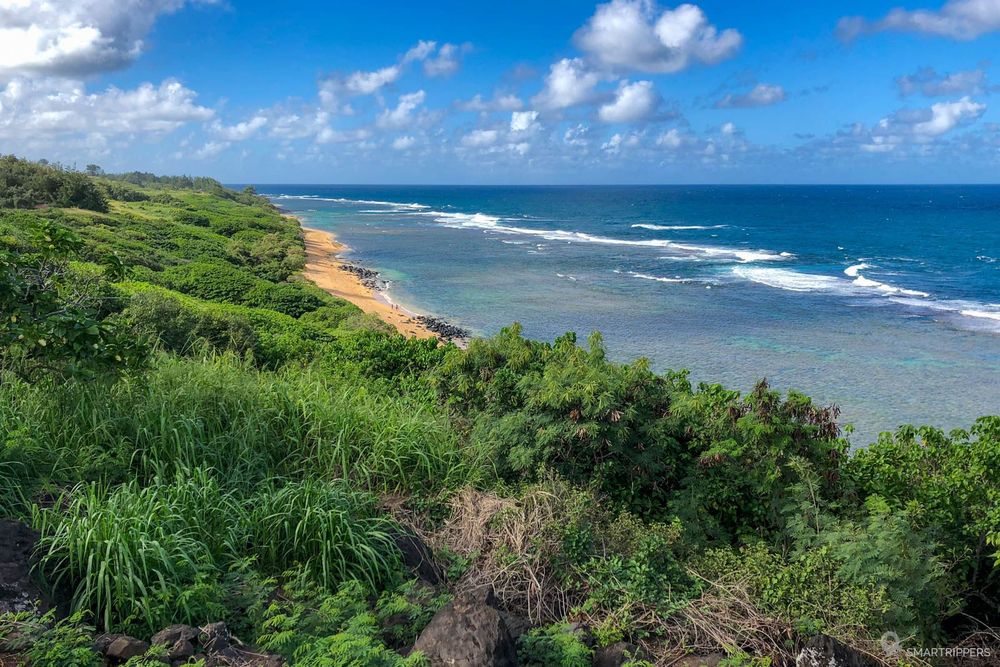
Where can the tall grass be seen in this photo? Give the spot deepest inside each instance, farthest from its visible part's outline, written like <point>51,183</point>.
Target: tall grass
<point>130,553</point>
<point>224,414</point>
<point>333,533</point>
<point>139,556</point>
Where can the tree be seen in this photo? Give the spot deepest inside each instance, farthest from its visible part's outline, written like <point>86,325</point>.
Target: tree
<point>94,170</point>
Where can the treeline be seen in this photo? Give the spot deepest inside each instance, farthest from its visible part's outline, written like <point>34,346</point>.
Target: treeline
<point>248,449</point>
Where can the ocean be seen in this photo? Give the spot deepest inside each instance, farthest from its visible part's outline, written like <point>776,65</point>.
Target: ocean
<point>883,300</point>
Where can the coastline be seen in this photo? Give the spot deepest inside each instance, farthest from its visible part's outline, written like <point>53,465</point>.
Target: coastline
<point>346,281</point>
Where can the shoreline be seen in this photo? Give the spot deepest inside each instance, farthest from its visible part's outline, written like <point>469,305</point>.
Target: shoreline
<point>360,286</point>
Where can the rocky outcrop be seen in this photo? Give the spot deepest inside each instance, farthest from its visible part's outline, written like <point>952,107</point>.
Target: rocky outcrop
<point>119,648</point>
<point>184,643</point>
<point>443,329</point>
<point>825,651</point>
<point>370,279</point>
<point>17,591</point>
<point>468,632</point>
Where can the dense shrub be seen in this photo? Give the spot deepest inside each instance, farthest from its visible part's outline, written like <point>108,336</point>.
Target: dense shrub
<point>26,184</point>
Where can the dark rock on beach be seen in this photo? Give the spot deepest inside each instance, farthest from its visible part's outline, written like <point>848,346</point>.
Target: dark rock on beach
<point>370,279</point>
<point>443,329</point>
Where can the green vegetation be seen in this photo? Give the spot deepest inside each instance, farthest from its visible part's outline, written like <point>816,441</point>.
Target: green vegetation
<point>200,435</point>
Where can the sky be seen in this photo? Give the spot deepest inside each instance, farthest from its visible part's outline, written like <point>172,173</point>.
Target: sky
<point>547,92</point>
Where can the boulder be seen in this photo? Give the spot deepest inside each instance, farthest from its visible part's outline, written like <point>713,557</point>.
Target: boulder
<point>616,655</point>
<point>172,634</point>
<point>214,637</point>
<point>825,651</point>
<point>516,625</point>
<point>468,632</point>
<point>119,648</point>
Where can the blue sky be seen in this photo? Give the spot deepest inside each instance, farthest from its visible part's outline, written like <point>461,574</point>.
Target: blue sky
<point>629,91</point>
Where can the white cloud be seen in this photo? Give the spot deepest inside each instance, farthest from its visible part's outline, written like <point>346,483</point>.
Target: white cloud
<point>634,35</point>
<point>240,131</point>
<point>672,139</point>
<point>480,138</point>
<point>402,115</point>
<point>761,95</point>
<point>75,37</point>
<point>927,81</point>
<point>568,83</point>
<point>633,102</point>
<point>49,108</point>
<point>946,116</point>
<point>957,19</point>
<point>578,135</point>
<point>421,51</point>
<point>404,143</point>
<point>445,63</point>
<point>210,150</point>
<point>507,102</point>
<point>328,135</point>
<point>366,83</point>
<point>522,121</point>
<point>618,141</point>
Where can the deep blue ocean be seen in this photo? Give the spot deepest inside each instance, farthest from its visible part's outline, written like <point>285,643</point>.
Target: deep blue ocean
<point>884,300</point>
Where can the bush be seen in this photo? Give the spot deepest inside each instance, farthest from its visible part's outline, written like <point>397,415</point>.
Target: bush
<point>211,282</point>
<point>26,184</point>
<point>557,645</point>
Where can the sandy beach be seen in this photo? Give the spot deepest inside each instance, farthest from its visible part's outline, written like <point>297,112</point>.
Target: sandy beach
<point>323,267</point>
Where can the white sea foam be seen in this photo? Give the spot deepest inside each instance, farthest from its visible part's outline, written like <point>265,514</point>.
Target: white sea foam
<point>854,271</point>
<point>670,228</point>
<point>403,206</point>
<point>793,281</point>
<point>967,314</point>
<point>659,279</point>
<point>493,223</point>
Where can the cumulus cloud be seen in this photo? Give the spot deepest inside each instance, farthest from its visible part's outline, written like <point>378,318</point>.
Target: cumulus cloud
<point>69,38</point>
<point>633,102</point>
<point>946,116</point>
<point>51,108</point>
<point>635,35</point>
<point>927,81</point>
<point>480,138</point>
<point>334,88</point>
<point>523,121</point>
<point>508,102</point>
<point>402,115</point>
<point>210,149</point>
<point>569,82</point>
<point>618,141</point>
<point>957,19</point>
<point>240,131</point>
<point>761,95</point>
<point>905,132</point>
<point>446,62</point>
<point>403,143</point>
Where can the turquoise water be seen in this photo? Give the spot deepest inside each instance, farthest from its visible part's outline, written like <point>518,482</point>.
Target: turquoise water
<point>882,300</point>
